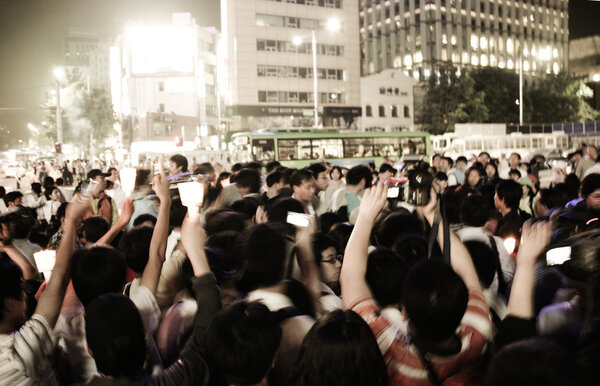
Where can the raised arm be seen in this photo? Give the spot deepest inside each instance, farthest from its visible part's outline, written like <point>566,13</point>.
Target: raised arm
<point>460,260</point>
<point>29,271</point>
<point>354,268</point>
<point>193,238</point>
<point>306,262</point>
<point>534,238</point>
<point>52,298</point>
<point>127,209</point>
<point>158,244</point>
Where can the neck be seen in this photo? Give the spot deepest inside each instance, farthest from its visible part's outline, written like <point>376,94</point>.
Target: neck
<point>6,328</point>
<point>353,189</point>
<point>505,211</point>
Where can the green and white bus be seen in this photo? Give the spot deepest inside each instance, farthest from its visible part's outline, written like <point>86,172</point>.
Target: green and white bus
<point>299,147</point>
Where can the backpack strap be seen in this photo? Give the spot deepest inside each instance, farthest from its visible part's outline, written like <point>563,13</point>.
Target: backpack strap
<point>501,282</point>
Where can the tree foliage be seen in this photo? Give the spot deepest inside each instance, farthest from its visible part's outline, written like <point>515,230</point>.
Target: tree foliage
<point>501,89</point>
<point>84,110</point>
<point>451,99</point>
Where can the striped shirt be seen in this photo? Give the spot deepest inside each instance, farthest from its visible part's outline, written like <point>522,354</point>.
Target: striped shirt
<point>24,354</point>
<point>402,358</point>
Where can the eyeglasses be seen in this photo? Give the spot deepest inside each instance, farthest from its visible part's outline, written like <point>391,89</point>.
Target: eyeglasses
<point>333,259</point>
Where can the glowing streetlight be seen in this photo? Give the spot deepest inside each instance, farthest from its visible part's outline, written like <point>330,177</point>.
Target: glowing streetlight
<point>332,25</point>
<point>59,74</point>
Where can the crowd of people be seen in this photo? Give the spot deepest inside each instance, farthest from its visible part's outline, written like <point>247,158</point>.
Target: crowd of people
<point>313,276</point>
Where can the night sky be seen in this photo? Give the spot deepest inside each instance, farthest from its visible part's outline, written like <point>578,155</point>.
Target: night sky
<point>32,32</point>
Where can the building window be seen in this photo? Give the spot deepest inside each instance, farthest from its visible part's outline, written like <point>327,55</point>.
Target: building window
<point>161,86</point>
<point>368,111</point>
<point>406,112</point>
<point>381,111</point>
<point>394,111</point>
<point>161,107</point>
<point>382,90</point>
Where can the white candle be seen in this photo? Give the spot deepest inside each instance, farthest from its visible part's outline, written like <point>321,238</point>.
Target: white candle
<point>128,180</point>
<point>45,262</point>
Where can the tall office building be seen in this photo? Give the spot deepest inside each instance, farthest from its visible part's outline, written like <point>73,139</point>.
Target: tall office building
<point>88,52</point>
<point>417,36</point>
<point>269,62</point>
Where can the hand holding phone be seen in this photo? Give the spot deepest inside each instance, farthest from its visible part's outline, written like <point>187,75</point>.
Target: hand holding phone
<point>299,219</point>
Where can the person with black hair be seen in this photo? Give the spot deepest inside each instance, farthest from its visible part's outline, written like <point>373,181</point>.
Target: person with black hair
<point>3,207</point>
<point>115,332</point>
<point>144,220</point>
<point>302,182</point>
<point>274,183</point>
<point>178,164</point>
<point>456,175</point>
<point>27,346</point>
<point>266,267</point>
<point>474,214</point>
<point>473,178</point>
<point>547,201</point>
<point>330,264</point>
<point>245,183</point>
<point>443,304</point>
<point>92,229</point>
<point>36,200</point>
<point>13,199</point>
<point>507,198</point>
<point>319,202</point>
<point>340,349</point>
<point>357,180</point>
<point>241,343</point>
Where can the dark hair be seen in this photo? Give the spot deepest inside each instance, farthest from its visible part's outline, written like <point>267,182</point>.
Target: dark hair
<point>552,198</point>
<point>511,192</point>
<point>327,220</point>
<point>471,170</point>
<point>461,158</point>
<point>590,184</point>
<point>533,362</point>
<point>273,178</point>
<point>12,196</point>
<point>475,210</point>
<point>271,166</point>
<point>96,271</point>
<point>60,182</point>
<point>484,259</point>
<point>223,220</point>
<point>94,228</point>
<point>141,177</point>
<point>340,349</point>
<point>11,277</point>
<point>177,213</point>
<point>341,233</point>
<point>265,254</point>
<point>135,246</point>
<point>339,169</point>
<point>449,160</point>
<point>248,178</point>
<point>317,168</point>
<point>36,187</point>
<point>246,207</point>
<point>115,334</point>
<point>299,176</point>
<point>493,165</point>
<point>321,242</point>
<point>357,174</point>
<point>204,168</point>
<point>236,167</point>
<point>287,175</point>
<point>514,172</point>
<point>62,209</point>
<point>435,298</point>
<point>142,218</point>
<point>241,342</point>
<point>385,276</point>
<point>397,224</point>
<point>2,191</point>
<point>277,209</point>
<point>180,160</point>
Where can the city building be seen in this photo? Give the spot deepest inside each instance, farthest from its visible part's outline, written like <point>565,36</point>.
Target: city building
<point>87,52</point>
<point>418,36</point>
<point>271,49</point>
<point>387,101</point>
<point>165,81</point>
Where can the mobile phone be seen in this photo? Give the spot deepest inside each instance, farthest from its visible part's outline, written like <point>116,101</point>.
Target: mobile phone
<point>557,256</point>
<point>393,192</point>
<point>157,168</point>
<point>299,219</point>
<point>569,169</point>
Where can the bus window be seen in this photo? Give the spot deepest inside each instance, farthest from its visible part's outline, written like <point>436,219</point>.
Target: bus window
<point>294,149</point>
<point>327,148</point>
<point>386,147</point>
<point>358,147</point>
<point>412,145</point>
<point>263,149</point>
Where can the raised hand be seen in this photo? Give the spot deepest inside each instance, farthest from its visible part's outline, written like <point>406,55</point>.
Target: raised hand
<point>534,239</point>
<point>373,202</point>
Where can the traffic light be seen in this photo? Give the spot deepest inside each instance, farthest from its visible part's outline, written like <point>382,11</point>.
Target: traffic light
<point>178,141</point>
<point>58,148</point>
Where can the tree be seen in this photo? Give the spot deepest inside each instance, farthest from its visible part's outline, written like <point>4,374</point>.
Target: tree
<point>98,110</point>
<point>451,99</point>
<point>558,98</point>
<point>501,89</point>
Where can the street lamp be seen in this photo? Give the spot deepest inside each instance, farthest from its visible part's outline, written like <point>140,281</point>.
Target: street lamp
<point>59,74</point>
<point>332,25</point>
<point>542,55</point>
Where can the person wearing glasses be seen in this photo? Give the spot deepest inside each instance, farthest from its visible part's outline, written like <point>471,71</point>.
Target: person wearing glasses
<point>330,265</point>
